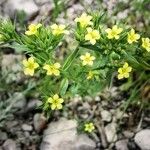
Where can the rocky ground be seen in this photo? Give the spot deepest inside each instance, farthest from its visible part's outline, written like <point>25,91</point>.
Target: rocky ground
<point>26,128</point>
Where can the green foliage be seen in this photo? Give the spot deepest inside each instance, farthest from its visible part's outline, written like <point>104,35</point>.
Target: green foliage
<point>109,53</point>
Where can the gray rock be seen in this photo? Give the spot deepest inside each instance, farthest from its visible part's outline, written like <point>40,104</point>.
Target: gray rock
<point>27,127</point>
<point>110,131</point>
<point>33,104</point>
<point>106,115</point>
<point>122,145</point>
<point>9,145</point>
<point>20,100</point>
<point>128,134</point>
<point>97,99</point>
<point>83,142</point>
<point>39,122</point>
<point>41,2</point>
<point>11,67</point>
<point>3,136</point>
<point>28,6</point>
<point>62,135</point>
<point>142,139</point>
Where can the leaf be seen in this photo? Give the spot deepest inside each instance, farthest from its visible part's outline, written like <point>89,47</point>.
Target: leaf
<point>63,86</point>
<point>18,48</point>
<point>70,59</point>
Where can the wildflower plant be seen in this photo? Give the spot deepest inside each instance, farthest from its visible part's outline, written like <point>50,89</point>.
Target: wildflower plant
<point>100,53</point>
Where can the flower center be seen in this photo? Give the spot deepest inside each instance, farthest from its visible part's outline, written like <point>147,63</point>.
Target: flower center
<point>31,65</point>
<point>87,59</point>
<point>113,33</point>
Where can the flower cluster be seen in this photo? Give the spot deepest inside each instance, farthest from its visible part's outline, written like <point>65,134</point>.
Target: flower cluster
<point>90,35</point>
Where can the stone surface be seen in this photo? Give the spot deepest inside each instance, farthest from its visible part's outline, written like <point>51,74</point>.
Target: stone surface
<point>28,6</point>
<point>20,100</point>
<point>62,135</point>
<point>11,67</point>
<point>3,136</point>
<point>142,139</point>
<point>9,145</point>
<point>106,115</point>
<point>110,131</point>
<point>27,127</point>
<point>39,122</point>
<point>33,104</point>
<point>122,145</point>
<point>128,134</point>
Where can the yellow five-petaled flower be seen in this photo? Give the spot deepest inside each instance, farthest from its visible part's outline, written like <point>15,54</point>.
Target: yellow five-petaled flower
<point>87,59</point>
<point>124,71</point>
<point>52,69</point>
<point>146,44</point>
<point>114,32</point>
<point>56,102</point>
<point>59,29</point>
<point>84,20</point>
<point>132,36</point>
<point>92,35</point>
<point>33,29</point>
<point>29,66</point>
<point>89,127</point>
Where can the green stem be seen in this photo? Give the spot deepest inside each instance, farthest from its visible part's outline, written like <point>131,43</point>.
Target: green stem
<point>70,59</point>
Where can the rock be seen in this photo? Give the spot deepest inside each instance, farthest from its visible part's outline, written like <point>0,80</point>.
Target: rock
<point>83,142</point>
<point>28,6</point>
<point>42,2</point>
<point>142,139</point>
<point>3,136</point>
<point>106,115</point>
<point>20,100</point>
<point>27,127</point>
<point>11,67</point>
<point>39,122</point>
<point>97,99</point>
<point>33,104</point>
<point>11,124</point>
<point>122,145</point>
<point>110,131</point>
<point>62,135</point>
<point>9,145</point>
<point>88,99</point>
<point>128,134</point>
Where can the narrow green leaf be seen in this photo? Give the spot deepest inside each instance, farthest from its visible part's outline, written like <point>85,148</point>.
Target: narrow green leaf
<point>63,86</point>
<point>70,59</point>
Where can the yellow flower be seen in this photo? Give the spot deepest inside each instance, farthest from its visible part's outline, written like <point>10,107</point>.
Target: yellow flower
<point>132,36</point>
<point>52,69</point>
<point>84,20</point>
<point>55,101</point>
<point>87,59</point>
<point>59,29</point>
<point>124,71</point>
<point>29,66</point>
<point>92,35</point>
<point>90,75</point>
<point>33,29</point>
<point>89,127</point>
<point>146,44</point>
<point>114,32</point>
